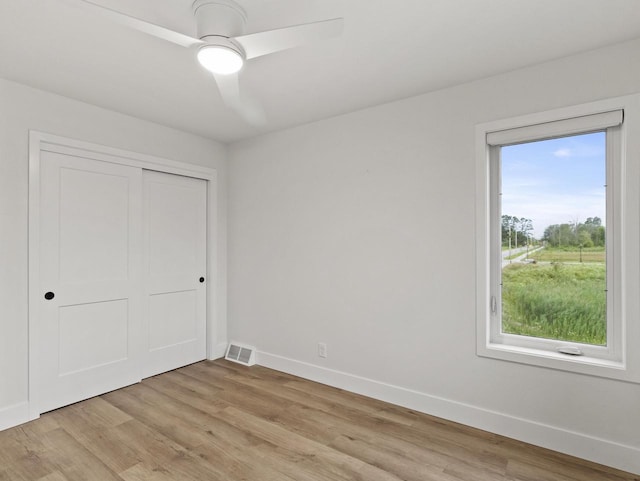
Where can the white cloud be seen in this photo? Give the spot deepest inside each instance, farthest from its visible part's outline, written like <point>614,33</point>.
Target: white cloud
<point>563,153</point>
<point>580,149</point>
<point>557,208</point>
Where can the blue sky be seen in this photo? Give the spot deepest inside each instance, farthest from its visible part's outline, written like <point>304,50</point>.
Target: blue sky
<point>555,181</point>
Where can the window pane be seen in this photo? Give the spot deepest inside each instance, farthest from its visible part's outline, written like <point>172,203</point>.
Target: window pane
<point>553,207</point>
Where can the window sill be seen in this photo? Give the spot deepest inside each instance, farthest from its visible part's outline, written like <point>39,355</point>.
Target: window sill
<point>554,360</point>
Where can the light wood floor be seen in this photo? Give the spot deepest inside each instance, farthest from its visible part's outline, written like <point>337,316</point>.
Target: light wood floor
<point>221,421</point>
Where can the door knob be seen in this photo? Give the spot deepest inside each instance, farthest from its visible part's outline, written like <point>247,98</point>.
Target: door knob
<point>49,295</point>
<point>202,279</point>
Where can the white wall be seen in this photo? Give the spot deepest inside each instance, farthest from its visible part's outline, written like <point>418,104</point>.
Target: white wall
<point>357,231</point>
<point>23,109</point>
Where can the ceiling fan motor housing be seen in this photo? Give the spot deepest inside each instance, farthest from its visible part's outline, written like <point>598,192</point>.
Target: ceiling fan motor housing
<point>219,18</point>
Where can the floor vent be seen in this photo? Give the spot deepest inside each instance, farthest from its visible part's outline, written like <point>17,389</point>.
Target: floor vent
<point>245,355</point>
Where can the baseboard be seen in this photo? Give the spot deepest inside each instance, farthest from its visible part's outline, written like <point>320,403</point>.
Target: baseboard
<point>14,415</point>
<point>602,451</point>
<point>218,351</point>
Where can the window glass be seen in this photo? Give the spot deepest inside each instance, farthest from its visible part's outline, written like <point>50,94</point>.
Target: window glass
<point>553,223</point>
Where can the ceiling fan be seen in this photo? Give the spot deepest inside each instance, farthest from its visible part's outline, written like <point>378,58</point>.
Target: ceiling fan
<point>223,47</point>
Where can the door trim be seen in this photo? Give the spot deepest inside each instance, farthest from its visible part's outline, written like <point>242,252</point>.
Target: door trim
<point>216,282</point>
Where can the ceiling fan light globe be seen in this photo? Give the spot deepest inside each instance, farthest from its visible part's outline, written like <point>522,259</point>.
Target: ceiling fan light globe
<point>220,60</point>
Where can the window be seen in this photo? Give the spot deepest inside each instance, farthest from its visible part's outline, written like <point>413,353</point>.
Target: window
<point>555,260</point>
<point>552,198</point>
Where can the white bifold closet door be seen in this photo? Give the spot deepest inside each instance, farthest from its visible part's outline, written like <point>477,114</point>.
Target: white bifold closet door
<point>122,252</point>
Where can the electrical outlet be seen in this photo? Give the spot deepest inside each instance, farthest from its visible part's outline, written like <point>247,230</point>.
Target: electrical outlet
<point>322,349</point>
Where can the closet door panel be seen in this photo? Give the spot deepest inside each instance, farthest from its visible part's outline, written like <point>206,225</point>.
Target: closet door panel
<point>90,332</point>
<point>175,240</point>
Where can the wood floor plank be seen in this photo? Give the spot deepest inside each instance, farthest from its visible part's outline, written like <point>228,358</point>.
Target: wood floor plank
<point>156,415</point>
<point>236,394</point>
<point>94,412</point>
<point>160,457</point>
<point>238,463</point>
<point>100,442</point>
<point>55,476</point>
<point>296,466</point>
<point>306,467</point>
<point>407,466</point>
<point>220,421</point>
<point>11,475</point>
<point>407,449</point>
<point>382,417</point>
<point>21,454</point>
<point>70,458</point>
<point>345,421</point>
<point>301,446</point>
<point>188,390</point>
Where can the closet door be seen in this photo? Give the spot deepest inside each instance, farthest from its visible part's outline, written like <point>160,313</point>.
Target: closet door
<point>90,331</point>
<point>175,258</point>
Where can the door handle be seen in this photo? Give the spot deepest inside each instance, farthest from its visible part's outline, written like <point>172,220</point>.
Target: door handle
<point>202,279</point>
<point>49,295</point>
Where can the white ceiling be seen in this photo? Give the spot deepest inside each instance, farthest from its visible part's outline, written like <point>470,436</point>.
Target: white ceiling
<point>389,50</point>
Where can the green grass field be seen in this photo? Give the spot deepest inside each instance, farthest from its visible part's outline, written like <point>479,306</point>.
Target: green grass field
<point>572,254</point>
<point>555,301</point>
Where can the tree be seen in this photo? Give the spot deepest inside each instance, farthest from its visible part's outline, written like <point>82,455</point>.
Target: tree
<point>506,223</point>
<point>507,229</point>
<point>588,234</point>
<point>584,238</point>
<point>558,235</point>
<point>525,227</point>
<point>515,230</point>
<point>596,230</point>
<point>599,235</point>
<point>509,223</point>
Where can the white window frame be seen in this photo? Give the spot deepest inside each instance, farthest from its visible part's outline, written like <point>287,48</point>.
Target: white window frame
<point>620,358</point>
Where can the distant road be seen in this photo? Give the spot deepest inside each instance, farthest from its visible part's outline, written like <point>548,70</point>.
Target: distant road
<point>505,254</point>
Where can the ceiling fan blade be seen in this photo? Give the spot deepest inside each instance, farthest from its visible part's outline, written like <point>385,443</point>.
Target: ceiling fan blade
<point>263,43</point>
<point>229,87</point>
<point>137,24</point>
